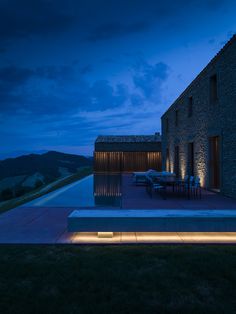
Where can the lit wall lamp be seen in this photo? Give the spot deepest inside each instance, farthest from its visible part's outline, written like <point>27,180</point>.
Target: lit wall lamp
<point>105,234</point>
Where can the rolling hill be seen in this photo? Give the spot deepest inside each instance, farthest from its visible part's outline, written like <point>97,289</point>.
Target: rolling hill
<point>30,171</point>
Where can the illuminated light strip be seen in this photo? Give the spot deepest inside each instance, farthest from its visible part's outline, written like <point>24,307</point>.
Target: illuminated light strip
<point>155,237</point>
<point>105,234</point>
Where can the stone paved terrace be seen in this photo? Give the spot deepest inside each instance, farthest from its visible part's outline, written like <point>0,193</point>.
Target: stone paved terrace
<point>137,197</point>
<point>49,224</point>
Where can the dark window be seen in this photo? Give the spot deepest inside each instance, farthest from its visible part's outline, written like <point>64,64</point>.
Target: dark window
<point>176,117</point>
<point>176,164</point>
<point>167,125</point>
<point>190,106</point>
<point>214,162</point>
<point>213,89</point>
<point>191,159</point>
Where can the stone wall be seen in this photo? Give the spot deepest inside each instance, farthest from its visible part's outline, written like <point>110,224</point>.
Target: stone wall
<point>209,118</point>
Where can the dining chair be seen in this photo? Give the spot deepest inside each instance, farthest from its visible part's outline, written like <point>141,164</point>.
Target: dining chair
<point>196,187</point>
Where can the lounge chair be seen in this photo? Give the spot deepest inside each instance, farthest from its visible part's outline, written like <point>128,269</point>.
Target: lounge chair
<point>154,186</point>
<point>141,177</point>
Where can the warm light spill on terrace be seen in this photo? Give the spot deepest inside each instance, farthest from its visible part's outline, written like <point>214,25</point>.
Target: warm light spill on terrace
<point>154,237</point>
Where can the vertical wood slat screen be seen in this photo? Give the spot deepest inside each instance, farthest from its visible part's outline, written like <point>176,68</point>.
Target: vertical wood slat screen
<point>126,161</point>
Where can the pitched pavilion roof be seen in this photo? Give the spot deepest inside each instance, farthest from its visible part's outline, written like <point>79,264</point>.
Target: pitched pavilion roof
<point>128,143</point>
<point>128,138</point>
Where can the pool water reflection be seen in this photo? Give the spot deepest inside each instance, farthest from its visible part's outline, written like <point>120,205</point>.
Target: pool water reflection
<point>107,190</point>
<point>95,190</point>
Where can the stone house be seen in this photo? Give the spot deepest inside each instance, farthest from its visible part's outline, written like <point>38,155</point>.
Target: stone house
<point>199,128</point>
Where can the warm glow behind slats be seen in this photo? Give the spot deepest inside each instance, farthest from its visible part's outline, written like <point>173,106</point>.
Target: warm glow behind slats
<point>126,161</point>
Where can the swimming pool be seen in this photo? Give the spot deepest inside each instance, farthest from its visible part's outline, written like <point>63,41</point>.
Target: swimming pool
<point>95,190</point>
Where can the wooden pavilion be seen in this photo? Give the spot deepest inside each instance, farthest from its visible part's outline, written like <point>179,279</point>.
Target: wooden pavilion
<point>127,153</point>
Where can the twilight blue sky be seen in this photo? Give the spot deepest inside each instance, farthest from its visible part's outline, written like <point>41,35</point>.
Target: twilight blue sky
<point>71,70</point>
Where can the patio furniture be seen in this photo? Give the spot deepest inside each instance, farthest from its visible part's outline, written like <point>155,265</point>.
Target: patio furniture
<point>141,177</point>
<point>159,189</point>
<point>196,187</point>
<point>160,183</point>
<point>191,186</point>
<point>163,174</point>
<point>154,185</point>
<point>168,180</point>
<point>187,184</point>
<point>182,183</point>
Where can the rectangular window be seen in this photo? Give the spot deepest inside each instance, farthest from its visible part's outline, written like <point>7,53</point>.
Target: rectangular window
<point>213,89</point>
<point>176,164</point>
<point>190,159</point>
<point>190,106</point>
<point>176,117</point>
<point>214,162</point>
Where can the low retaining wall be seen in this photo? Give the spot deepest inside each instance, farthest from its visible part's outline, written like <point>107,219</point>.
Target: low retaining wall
<point>156,220</point>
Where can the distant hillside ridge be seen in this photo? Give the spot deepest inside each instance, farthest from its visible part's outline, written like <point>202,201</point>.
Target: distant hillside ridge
<point>49,166</point>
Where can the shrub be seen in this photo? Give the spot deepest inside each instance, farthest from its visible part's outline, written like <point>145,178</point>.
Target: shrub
<point>7,194</point>
<point>38,184</point>
<point>19,192</point>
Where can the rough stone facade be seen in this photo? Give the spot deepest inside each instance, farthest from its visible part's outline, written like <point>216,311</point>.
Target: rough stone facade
<point>210,117</point>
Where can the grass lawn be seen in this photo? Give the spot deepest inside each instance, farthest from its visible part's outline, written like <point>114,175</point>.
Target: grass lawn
<point>83,172</point>
<point>117,279</point>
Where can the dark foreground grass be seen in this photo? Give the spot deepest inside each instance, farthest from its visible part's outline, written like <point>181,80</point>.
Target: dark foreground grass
<point>121,279</point>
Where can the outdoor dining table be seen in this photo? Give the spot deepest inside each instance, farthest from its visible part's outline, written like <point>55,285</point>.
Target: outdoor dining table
<point>168,180</point>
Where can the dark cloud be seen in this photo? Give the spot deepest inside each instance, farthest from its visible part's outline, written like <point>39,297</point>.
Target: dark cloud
<point>55,90</point>
<point>113,30</point>
<point>64,72</point>
<point>34,90</point>
<point>65,87</point>
<point>106,19</point>
<point>103,96</point>
<point>14,77</point>
<point>11,78</point>
<point>86,69</point>
<point>149,78</point>
<point>58,90</point>
<point>21,19</point>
